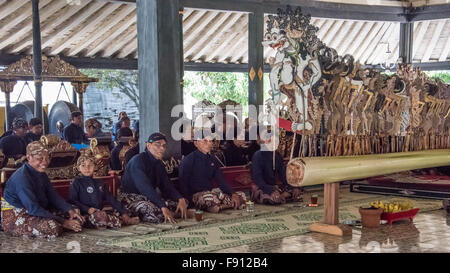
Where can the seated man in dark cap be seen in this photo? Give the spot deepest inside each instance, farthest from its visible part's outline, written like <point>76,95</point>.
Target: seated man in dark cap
<point>144,175</point>
<point>34,130</point>
<point>14,146</point>
<point>196,174</point>
<point>265,172</point>
<point>123,137</point>
<point>29,200</point>
<point>73,132</point>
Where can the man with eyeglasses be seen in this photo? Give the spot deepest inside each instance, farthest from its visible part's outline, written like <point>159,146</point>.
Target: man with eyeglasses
<point>197,172</point>
<point>146,189</point>
<point>30,204</point>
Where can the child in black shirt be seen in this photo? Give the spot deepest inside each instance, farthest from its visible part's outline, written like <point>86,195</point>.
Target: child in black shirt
<point>89,194</point>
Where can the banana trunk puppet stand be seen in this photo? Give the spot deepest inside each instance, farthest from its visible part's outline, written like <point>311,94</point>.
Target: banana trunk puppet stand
<point>372,123</point>
<point>331,170</point>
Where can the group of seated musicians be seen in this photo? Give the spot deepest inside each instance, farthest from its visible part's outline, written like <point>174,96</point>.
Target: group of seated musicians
<point>13,143</point>
<point>31,206</point>
<point>232,150</point>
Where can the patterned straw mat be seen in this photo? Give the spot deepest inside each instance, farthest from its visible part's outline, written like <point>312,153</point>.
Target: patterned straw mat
<point>236,228</point>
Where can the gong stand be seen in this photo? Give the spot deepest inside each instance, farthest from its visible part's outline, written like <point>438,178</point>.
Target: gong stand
<point>330,224</point>
<point>53,69</point>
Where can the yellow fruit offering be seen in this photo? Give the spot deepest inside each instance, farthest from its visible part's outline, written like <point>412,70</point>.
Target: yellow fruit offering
<point>394,206</point>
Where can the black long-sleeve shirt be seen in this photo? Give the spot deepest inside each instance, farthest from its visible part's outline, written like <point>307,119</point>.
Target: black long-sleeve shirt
<point>33,191</point>
<point>143,174</point>
<point>130,154</point>
<point>187,147</point>
<point>197,172</point>
<point>74,134</point>
<point>87,192</point>
<point>30,137</point>
<point>234,155</point>
<point>13,146</point>
<point>116,165</point>
<point>262,170</point>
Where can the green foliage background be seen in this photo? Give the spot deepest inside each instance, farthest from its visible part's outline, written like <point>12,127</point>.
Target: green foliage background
<point>217,86</point>
<point>443,75</point>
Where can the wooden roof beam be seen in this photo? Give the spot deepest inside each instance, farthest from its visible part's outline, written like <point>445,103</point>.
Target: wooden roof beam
<point>348,41</point>
<point>343,32</point>
<point>75,21</point>
<point>102,29</point>
<point>240,51</point>
<point>445,51</point>
<point>198,26</point>
<point>209,29</point>
<point>321,9</point>
<point>26,30</point>
<point>379,51</point>
<point>315,8</point>
<point>124,40</point>
<point>87,28</point>
<point>115,33</point>
<point>324,29</point>
<point>11,6</point>
<point>332,32</point>
<point>319,23</point>
<point>240,40</point>
<point>433,41</point>
<point>366,42</point>
<point>231,20</point>
<point>370,50</point>
<point>190,20</point>
<point>18,16</point>
<point>129,49</point>
<point>362,33</point>
<point>422,28</point>
<point>395,35</point>
<point>235,31</point>
<point>187,12</point>
<point>47,25</point>
<point>393,57</point>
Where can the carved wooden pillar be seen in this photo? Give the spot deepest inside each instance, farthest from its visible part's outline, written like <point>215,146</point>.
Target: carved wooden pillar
<point>7,87</point>
<point>80,88</point>
<point>37,61</point>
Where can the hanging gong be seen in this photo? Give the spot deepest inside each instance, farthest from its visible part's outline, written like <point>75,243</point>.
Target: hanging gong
<point>25,110</point>
<point>60,115</point>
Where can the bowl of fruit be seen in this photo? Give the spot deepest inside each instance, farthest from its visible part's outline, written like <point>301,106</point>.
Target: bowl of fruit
<point>396,210</point>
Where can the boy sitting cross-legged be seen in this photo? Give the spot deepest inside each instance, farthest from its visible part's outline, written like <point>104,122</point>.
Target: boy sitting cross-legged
<point>89,195</point>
